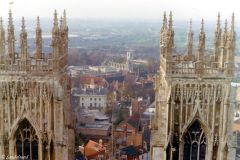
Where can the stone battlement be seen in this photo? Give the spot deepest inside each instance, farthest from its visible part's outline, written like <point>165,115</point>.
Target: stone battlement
<point>181,68</point>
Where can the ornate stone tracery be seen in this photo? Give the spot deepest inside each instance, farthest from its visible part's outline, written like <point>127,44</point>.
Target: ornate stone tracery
<point>26,140</point>
<point>194,142</point>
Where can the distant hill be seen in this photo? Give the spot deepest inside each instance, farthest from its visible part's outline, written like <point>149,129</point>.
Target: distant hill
<point>118,35</point>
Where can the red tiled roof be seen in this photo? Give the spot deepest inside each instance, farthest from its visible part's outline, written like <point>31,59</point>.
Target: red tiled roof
<point>133,121</point>
<point>92,148</point>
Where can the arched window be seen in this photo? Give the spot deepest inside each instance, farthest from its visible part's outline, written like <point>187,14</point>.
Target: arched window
<point>26,141</point>
<point>194,143</point>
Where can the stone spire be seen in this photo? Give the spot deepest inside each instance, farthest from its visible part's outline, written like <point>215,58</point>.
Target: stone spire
<point>232,36</point>
<point>224,35</point>
<point>55,36</point>
<point>23,42</point>
<point>225,26</point>
<point>164,23</point>
<point>2,41</point>
<point>64,33</point>
<point>190,41</point>
<point>231,42</point>
<point>170,22</point>
<point>232,24</point>
<point>38,23</point>
<point>223,45</point>
<point>56,46</point>
<point>11,38</point>
<point>218,26</point>
<point>61,23</point>
<point>217,39</point>
<point>201,45</point>
<point>23,25</point>
<point>1,27</point>
<point>38,54</point>
<point>65,36</point>
<point>64,22</point>
<point>61,37</point>
<point>170,37</point>
<point>55,22</point>
<point>163,36</point>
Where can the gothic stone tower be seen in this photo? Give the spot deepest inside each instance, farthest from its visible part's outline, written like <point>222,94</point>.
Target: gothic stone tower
<point>35,112</point>
<point>193,107</point>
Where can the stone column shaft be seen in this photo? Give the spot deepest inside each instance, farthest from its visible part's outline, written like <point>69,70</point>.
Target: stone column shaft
<point>40,149</point>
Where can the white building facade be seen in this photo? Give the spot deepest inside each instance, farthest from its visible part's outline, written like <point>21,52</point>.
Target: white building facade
<point>93,101</point>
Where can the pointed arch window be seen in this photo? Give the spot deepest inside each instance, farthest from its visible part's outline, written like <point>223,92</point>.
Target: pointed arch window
<point>26,141</point>
<point>194,143</point>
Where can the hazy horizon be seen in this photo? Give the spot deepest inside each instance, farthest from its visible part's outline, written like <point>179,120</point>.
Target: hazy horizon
<point>97,33</point>
<point>122,9</point>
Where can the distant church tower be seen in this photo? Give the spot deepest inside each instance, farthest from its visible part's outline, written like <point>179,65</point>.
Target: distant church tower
<point>35,113</point>
<point>194,110</point>
<point>129,64</point>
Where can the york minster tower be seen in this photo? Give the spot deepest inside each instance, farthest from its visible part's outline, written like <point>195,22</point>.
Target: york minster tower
<point>194,113</point>
<point>35,112</point>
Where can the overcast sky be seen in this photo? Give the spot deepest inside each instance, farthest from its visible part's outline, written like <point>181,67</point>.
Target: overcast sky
<point>122,9</point>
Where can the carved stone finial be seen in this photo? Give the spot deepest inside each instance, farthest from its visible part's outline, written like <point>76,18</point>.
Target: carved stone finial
<point>2,41</point>
<point>56,43</point>
<point>64,19</point>
<point>23,24</point>
<point>218,20</point>
<point>164,23</point>
<point>38,22</point>
<point>223,45</point>
<point>1,22</point>
<point>169,38</point>
<point>55,21</point>
<point>61,23</point>
<point>224,35</point>
<point>190,25</point>
<point>55,30</point>
<point>202,26</point>
<point>2,32</point>
<point>64,13</point>
<point>225,26</point>
<point>231,40</point>
<point>11,38</point>
<point>23,42</point>
<point>64,34</point>
<point>1,26</point>
<point>217,39</point>
<point>218,26</point>
<point>190,41</point>
<point>38,54</point>
<point>170,23</point>
<point>201,45</point>
<point>232,33</point>
<point>232,23</point>
<point>10,19</point>
<point>202,36</point>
